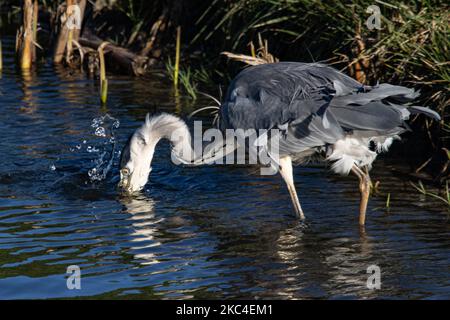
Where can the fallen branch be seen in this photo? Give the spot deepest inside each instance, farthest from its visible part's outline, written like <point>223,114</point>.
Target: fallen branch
<point>123,58</point>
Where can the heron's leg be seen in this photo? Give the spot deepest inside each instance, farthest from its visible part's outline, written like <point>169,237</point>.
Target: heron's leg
<point>286,173</point>
<point>364,188</point>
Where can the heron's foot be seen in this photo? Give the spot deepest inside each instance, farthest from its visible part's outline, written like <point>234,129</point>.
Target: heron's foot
<point>297,206</point>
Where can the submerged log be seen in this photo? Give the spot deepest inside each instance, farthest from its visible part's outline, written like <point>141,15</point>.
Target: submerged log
<point>123,58</point>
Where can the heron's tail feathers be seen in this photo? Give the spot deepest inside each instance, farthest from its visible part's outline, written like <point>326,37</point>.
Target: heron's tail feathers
<point>426,111</point>
<point>348,151</point>
<point>383,108</point>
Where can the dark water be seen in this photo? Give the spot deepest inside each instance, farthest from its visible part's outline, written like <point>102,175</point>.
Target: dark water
<point>206,232</point>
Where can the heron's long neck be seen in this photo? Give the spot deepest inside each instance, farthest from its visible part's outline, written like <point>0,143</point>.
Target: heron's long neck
<point>172,128</point>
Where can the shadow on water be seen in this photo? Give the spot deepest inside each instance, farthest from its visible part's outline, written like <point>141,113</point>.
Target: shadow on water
<point>206,232</point>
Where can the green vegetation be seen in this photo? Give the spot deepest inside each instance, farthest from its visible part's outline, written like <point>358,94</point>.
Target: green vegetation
<point>443,197</point>
<point>103,79</point>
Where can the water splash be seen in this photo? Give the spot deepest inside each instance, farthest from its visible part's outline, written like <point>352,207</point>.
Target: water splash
<point>104,127</point>
<point>100,132</point>
<point>91,149</point>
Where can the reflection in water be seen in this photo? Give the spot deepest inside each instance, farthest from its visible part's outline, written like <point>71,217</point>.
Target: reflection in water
<point>30,102</point>
<point>144,225</point>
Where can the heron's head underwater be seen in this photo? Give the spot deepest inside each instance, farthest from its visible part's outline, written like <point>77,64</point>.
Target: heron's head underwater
<point>135,162</point>
<point>137,155</point>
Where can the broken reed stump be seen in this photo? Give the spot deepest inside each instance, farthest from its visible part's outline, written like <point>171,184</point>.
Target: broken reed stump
<point>35,26</point>
<point>70,38</point>
<point>103,80</point>
<point>25,41</point>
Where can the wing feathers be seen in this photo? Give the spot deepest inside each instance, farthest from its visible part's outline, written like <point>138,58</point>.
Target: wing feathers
<point>318,102</point>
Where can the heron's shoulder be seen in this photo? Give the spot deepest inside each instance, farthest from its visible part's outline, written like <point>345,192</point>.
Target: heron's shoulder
<point>285,77</point>
<point>288,69</point>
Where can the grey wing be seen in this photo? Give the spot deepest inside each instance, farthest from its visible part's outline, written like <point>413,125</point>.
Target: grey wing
<point>269,95</point>
<point>382,110</point>
<point>315,104</point>
<point>289,96</point>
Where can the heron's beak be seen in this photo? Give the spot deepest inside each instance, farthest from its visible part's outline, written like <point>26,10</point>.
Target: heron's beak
<point>125,179</point>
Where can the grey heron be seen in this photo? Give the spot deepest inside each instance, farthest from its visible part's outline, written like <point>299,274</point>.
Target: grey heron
<point>321,112</point>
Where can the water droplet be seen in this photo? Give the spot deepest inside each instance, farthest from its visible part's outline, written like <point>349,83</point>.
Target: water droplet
<point>104,148</point>
<point>100,132</point>
<point>96,122</point>
<point>92,172</point>
<point>91,149</point>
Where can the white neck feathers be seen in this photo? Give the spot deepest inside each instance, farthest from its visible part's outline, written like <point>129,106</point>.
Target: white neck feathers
<point>172,128</point>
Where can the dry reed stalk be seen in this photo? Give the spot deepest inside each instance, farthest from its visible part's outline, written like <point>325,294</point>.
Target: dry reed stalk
<point>35,26</point>
<point>27,36</point>
<point>261,56</point>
